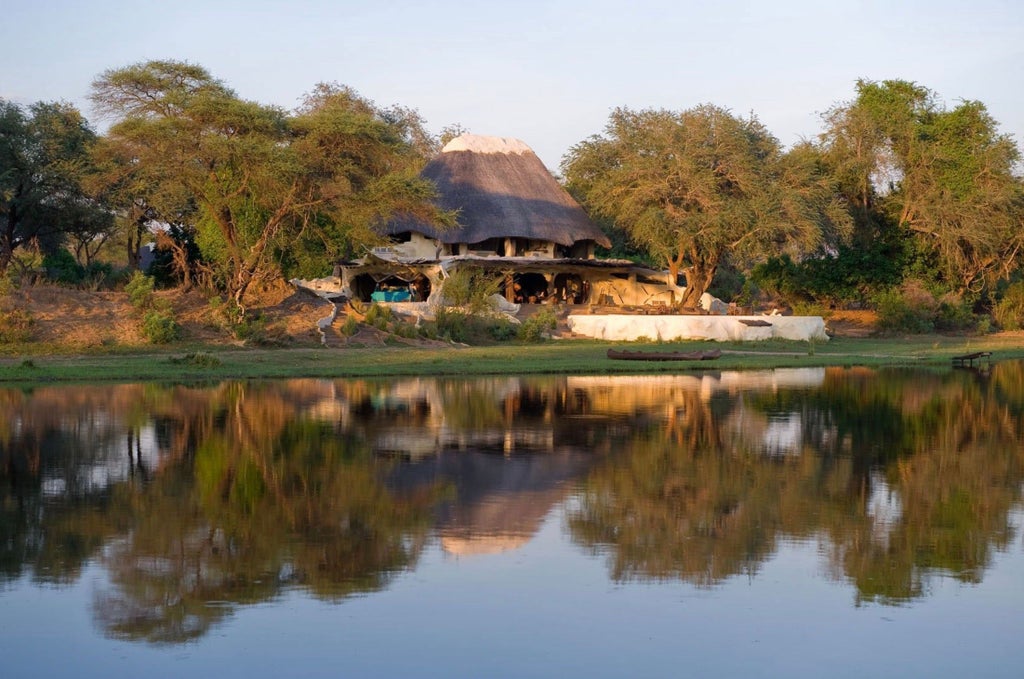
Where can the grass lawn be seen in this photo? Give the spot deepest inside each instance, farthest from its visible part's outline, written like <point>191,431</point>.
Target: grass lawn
<point>567,356</point>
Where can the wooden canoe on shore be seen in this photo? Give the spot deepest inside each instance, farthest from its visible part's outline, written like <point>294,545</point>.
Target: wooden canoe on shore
<point>623,355</point>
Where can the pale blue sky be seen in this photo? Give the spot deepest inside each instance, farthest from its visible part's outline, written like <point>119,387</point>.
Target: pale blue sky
<point>548,73</point>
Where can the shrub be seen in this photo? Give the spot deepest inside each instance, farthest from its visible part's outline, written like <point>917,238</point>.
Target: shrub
<point>955,314</point>
<point>406,330</point>
<point>534,327</point>
<point>159,327</point>
<point>350,326</point>
<point>1009,312</point>
<point>250,328</point>
<point>910,308</point>
<point>225,311</point>
<point>7,285</point>
<point>15,326</point>
<point>471,289</point>
<point>379,316</point>
<point>502,329</point>
<point>199,359</point>
<point>140,291</point>
<point>100,275</point>
<point>802,308</point>
<point>61,267</point>
<point>452,325</point>
<point>847,276</point>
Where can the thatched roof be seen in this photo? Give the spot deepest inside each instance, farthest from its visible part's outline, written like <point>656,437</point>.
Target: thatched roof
<point>500,189</point>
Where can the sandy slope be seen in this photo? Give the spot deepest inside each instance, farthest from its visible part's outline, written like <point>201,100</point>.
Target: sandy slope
<point>84,319</point>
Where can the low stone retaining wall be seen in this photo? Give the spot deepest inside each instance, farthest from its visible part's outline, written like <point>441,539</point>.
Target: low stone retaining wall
<point>719,328</point>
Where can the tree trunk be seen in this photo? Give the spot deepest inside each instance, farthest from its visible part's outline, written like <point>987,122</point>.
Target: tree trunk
<point>134,246</point>
<point>8,240</point>
<point>698,279</point>
<point>699,276</point>
<point>5,258</point>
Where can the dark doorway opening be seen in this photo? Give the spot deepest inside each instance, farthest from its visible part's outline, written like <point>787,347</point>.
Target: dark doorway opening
<point>529,288</point>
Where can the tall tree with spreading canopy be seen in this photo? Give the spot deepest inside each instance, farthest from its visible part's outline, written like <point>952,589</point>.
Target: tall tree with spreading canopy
<point>696,186</point>
<point>945,176</point>
<point>261,181</point>
<point>44,154</point>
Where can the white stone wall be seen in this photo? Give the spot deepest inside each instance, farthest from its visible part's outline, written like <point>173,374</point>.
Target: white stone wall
<point>625,327</point>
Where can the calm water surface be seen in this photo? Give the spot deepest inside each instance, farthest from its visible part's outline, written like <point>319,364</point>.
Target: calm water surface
<point>784,523</point>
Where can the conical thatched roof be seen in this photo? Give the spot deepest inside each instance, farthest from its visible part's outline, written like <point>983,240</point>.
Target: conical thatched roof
<point>500,189</point>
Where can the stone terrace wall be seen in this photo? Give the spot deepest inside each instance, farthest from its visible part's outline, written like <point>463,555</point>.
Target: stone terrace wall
<point>718,328</point>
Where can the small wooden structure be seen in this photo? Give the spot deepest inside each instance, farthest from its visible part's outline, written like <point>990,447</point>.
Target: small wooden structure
<point>967,360</point>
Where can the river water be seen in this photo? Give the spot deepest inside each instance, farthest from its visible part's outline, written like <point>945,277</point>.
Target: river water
<point>840,522</point>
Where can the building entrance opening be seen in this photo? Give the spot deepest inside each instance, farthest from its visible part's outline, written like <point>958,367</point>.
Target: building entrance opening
<point>390,288</point>
<point>529,288</point>
<point>570,289</point>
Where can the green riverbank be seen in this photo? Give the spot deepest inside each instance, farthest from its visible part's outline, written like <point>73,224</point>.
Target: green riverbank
<point>553,357</point>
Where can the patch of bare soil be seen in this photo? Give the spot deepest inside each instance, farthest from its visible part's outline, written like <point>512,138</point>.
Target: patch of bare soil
<point>82,319</point>
<point>291,314</point>
<point>79,318</point>
<point>852,323</point>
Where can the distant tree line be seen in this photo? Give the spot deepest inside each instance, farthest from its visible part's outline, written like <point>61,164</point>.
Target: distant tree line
<point>899,199</point>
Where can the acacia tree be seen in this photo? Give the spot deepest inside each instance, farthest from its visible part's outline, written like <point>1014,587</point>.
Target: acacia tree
<point>43,157</point>
<point>696,186</point>
<point>944,176</point>
<point>259,179</point>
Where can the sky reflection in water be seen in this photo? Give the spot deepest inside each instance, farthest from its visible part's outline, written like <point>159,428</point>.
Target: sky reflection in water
<point>771,523</point>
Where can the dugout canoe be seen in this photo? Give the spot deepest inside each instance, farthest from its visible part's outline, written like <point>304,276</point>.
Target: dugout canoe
<point>623,355</point>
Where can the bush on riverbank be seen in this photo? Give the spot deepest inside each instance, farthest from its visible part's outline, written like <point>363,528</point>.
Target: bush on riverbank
<point>1009,312</point>
<point>912,308</point>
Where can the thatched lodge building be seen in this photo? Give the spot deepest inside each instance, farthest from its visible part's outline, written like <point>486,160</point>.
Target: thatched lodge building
<point>517,223</point>
<point>514,219</point>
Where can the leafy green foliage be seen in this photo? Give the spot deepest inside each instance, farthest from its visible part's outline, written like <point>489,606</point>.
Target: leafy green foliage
<point>44,156</point>
<point>459,325</point>
<point>199,359</point>
<point>379,316</point>
<point>15,325</point>
<point>955,315</point>
<point>898,312</point>
<point>853,274</point>
<point>61,267</point>
<point>350,326</point>
<point>159,327</point>
<point>945,176</point>
<point>697,186</point>
<point>451,324</point>
<point>1009,312</point>
<point>261,185</point>
<point>140,291</point>
<point>158,323</point>
<point>503,329</point>
<point>534,327</point>
<point>471,289</point>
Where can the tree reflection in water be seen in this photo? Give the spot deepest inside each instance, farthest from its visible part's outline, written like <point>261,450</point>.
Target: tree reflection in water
<point>198,500</point>
<point>902,475</point>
